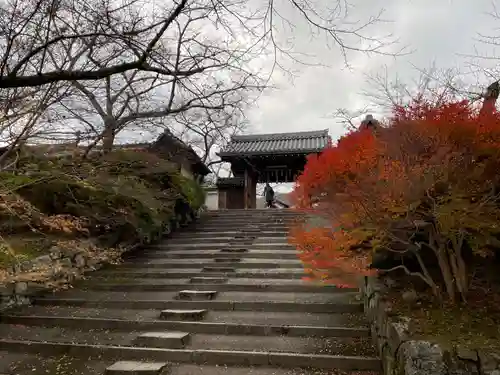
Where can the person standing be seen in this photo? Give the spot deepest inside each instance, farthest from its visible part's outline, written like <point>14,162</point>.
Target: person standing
<point>269,195</point>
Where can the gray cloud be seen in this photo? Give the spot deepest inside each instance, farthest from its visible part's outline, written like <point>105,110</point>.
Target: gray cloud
<point>437,31</point>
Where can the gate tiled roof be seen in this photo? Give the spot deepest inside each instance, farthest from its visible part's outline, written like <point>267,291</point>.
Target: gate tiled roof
<point>277,143</point>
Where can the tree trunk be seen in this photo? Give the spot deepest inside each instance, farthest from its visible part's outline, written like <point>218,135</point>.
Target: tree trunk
<point>442,256</point>
<point>459,267</point>
<point>444,266</point>
<point>108,139</point>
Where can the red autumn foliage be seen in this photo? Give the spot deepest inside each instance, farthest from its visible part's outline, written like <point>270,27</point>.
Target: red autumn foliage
<point>431,171</point>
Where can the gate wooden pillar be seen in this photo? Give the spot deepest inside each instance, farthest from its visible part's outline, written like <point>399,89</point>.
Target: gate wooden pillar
<point>250,189</point>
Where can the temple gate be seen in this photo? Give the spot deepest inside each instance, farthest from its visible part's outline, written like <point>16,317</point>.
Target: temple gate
<point>262,158</point>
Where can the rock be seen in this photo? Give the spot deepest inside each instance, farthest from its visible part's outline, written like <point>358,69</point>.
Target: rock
<point>467,354</point>
<point>65,262</point>
<point>80,260</point>
<point>489,362</point>
<point>93,263</point>
<point>410,296</point>
<point>421,357</point>
<point>21,287</point>
<point>21,300</point>
<point>55,253</point>
<point>57,272</point>
<point>34,288</point>
<point>26,266</point>
<point>6,289</point>
<point>43,261</point>
<point>167,230</point>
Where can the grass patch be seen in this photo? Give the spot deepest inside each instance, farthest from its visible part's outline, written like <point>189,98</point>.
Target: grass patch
<point>472,326</point>
<point>21,247</point>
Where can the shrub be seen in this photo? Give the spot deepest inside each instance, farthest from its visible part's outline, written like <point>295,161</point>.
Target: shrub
<point>123,196</point>
<point>424,189</point>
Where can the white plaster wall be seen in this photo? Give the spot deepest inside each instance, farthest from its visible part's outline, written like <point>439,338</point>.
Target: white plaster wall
<point>212,200</point>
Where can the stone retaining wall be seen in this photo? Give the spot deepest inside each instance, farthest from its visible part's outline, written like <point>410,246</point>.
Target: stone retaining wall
<point>66,263</point>
<point>402,355</point>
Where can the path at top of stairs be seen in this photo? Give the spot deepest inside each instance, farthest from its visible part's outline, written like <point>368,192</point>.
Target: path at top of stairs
<point>223,297</point>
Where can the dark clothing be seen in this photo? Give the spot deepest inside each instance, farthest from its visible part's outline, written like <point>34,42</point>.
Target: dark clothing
<point>269,193</point>
<point>269,196</point>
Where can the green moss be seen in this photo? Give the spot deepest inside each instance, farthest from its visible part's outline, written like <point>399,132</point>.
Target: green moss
<point>191,191</point>
<point>121,197</point>
<point>14,249</point>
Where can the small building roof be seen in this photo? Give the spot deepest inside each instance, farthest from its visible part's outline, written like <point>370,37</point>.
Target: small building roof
<point>277,143</point>
<point>166,146</point>
<point>173,148</point>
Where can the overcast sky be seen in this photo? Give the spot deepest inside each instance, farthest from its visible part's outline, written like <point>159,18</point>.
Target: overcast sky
<point>435,30</point>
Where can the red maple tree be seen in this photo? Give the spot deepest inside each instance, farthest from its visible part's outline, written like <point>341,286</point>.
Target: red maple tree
<point>426,183</point>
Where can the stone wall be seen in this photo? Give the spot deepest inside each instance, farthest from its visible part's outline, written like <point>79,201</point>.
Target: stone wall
<point>402,355</point>
<point>65,263</point>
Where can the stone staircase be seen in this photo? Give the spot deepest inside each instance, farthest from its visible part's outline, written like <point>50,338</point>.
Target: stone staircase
<point>223,297</point>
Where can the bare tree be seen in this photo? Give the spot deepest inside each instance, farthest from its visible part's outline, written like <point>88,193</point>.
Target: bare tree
<point>209,131</point>
<point>215,78</point>
<point>133,100</point>
<point>26,117</point>
<point>350,119</point>
<point>434,85</point>
<point>32,29</point>
<point>120,54</point>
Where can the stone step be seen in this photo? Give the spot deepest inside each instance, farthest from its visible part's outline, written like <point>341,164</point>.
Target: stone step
<point>233,287</point>
<point>235,250</point>
<point>296,345</point>
<point>192,327</point>
<point>32,364</point>
<point>230,317</point>
<point>198,356</point>
<point>197,295</point>
<point>224,258</point>
<point>224,234</point>
<point>207,254</point>
<point>179,369</point>
<point>224,271</point>
<point>222,239</point>
<point>250,219</point>
<point>252,216</point>
<point>242,225</point>
<point>259,296</point>
<point>208,280</point>
<point>183,314</point>
<point>164,339</point>
<point>202,263</point>
<point>135,368</point>
<point>254,212</point>
<point>222,245</point>
<point>309,307</point>
<point>227,227</point>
